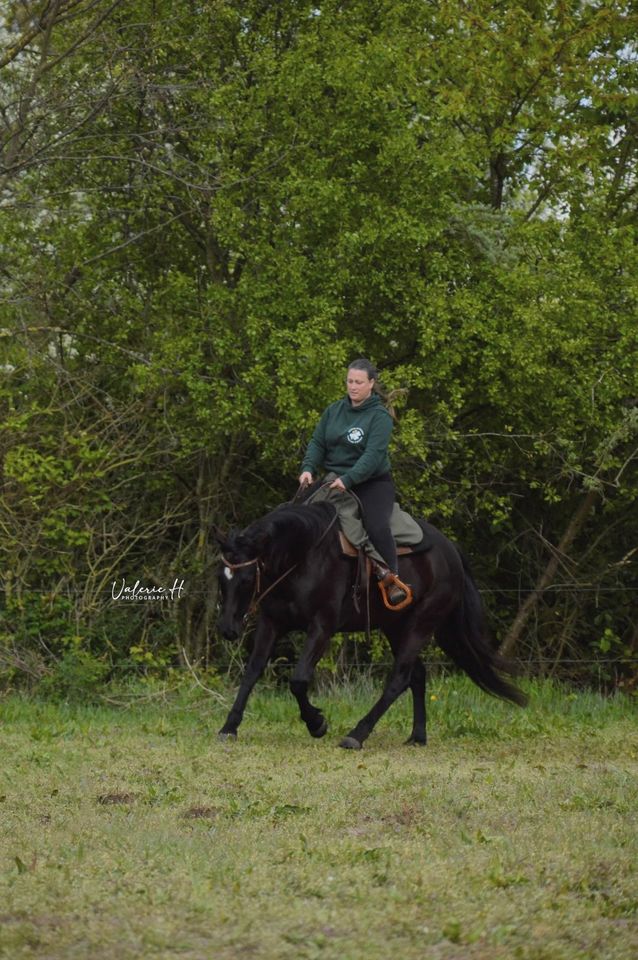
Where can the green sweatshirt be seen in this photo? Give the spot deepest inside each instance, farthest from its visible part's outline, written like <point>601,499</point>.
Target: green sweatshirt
<point>351,441</point>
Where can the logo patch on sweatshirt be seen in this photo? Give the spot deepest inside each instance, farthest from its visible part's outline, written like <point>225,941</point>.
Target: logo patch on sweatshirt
<point>355,435</point>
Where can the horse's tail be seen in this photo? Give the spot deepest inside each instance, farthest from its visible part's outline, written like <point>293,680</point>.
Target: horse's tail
<point>463,637</point>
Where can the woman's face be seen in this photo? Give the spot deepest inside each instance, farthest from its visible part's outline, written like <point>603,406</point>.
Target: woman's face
<point>359,386</point>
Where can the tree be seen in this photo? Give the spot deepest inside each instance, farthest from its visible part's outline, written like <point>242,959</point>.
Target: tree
<point>209,210</point>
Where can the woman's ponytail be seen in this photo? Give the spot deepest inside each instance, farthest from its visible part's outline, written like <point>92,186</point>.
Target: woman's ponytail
<point>388,396</point>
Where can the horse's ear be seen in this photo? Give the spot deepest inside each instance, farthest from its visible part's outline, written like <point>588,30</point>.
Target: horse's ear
<point>220,537</point>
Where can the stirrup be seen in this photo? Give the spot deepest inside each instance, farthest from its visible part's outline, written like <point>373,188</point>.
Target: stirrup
<point>390,579</point>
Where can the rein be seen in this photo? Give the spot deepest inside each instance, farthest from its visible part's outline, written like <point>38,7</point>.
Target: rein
<point>258,595</point>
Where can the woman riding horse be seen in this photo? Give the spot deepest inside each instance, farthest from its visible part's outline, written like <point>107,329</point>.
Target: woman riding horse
<point>351,440</point>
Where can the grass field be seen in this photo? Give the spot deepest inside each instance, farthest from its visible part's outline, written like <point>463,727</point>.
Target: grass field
<point>134,833</point>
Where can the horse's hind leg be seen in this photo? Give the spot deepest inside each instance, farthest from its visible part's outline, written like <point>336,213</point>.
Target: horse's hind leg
<point>265,636</point>
<point>398,681</point>
<point>314,648</point>
<point>418,737</point>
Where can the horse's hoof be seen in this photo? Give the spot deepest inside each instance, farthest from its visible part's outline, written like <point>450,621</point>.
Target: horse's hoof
<point>412,742</point>
<point>350,743</point>
<point>224,735</point>
<point>321,730</point>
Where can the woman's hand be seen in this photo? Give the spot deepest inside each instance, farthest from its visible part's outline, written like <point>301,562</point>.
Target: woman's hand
<point>338,485</point>
<point>305,478</point>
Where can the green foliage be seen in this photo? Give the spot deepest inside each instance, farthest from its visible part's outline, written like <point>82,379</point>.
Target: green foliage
<point>205,214</point>
<point>76,677</point>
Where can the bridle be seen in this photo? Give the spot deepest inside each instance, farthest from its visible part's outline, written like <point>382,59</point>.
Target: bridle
<point>258,594</point>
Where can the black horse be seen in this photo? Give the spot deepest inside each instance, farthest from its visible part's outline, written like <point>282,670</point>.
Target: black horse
<point>289,566</point>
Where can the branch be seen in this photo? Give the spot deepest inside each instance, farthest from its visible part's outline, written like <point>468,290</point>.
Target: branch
<point>213,693</point>
<point>44,23</point>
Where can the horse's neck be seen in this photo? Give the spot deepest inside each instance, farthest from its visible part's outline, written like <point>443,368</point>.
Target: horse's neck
<point>292,537</point>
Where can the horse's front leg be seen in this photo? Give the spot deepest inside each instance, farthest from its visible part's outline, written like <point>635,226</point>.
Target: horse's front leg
<point>265,636</point>
<point>316,645</point>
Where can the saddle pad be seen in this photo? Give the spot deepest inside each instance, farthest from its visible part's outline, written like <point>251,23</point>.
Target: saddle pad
<point>348,550</point>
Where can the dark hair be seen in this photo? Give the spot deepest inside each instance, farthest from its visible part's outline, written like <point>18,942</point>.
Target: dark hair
<point>366,366</point>
<point>388,397</point>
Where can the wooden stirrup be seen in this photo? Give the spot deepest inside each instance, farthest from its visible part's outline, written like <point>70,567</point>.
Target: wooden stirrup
<point>399,583</point>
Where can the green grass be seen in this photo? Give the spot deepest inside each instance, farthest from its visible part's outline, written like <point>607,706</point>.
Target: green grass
<point>134,833</point>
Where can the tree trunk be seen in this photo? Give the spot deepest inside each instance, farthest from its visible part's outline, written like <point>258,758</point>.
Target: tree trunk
<point>510,642</point>
<point>498,173</point>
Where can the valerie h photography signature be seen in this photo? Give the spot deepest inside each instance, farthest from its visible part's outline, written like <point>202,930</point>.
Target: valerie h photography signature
<point>121,590</point>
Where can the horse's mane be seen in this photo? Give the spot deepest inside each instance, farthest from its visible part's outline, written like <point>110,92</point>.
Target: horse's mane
<point>285,534</point>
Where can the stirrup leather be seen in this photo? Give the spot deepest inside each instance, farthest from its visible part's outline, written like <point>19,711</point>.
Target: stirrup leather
<point>388,580</point>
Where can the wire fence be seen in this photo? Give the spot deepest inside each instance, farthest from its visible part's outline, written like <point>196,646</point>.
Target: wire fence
<point>542,661</point>
<point>358,658</point>
<point>69,589</point>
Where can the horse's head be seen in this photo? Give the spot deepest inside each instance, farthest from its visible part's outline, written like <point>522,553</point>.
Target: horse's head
<point>245,556</point>
<point>238,581</point>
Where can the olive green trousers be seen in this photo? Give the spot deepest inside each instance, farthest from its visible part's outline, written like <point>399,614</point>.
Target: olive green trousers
<point>405,529</point>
